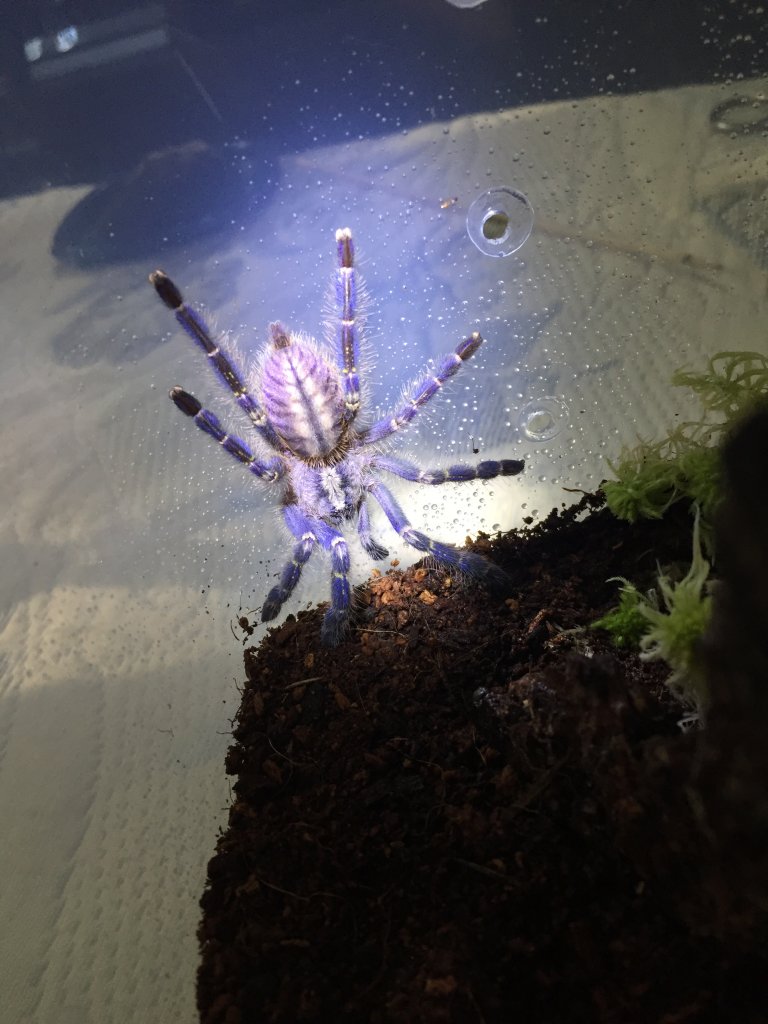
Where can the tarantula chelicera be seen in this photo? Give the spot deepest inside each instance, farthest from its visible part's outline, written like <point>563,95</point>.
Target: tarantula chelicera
<point>303,404</point>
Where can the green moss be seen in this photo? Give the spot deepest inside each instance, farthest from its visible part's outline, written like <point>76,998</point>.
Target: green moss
<point>626,623</point>
<point>668,622</point>
<point>647,482</point>
<point>685,464</point>
<point>734,383</point>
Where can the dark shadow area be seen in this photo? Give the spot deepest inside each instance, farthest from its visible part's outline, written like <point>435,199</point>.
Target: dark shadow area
<point>174,197</point>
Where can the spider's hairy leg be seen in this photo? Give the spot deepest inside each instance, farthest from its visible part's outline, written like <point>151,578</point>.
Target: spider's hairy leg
<point>347,330</point>
<point>199,331</point>
<point>372,548</point>
<point>336,619</point>
<point>474,565</point>
<point>311,531</point>
<point>271,470</point>
<point>291,573</point>
<point>486,470</point>
<point>423,391</point>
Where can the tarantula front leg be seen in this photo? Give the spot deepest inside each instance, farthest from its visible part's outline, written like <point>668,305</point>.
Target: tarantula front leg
<point>423,391</point>
<point>310,532</point>
<point>474,565</point>
<point>270,470</point>
<point>461,471</point>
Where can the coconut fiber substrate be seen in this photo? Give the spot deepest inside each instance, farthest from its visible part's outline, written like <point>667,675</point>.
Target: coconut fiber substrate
<point>476,810</point>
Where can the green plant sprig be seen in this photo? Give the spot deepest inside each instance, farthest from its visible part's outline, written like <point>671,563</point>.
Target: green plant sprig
<point>671,629</point>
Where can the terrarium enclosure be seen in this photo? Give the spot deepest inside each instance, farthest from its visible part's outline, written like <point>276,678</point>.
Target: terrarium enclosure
<point>583,184</point>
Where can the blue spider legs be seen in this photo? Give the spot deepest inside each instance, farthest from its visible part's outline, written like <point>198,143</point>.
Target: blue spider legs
<point>310,532</point>
<point>477,566</point>
<point>424,391</point>
<point>199,330</point>
<point>271,470</point>
<point>375,551</point>
<point>486,470</point>
<point>348,339</point>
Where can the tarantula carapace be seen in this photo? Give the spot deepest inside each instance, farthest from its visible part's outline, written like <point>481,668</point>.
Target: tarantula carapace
<point>303,402</point>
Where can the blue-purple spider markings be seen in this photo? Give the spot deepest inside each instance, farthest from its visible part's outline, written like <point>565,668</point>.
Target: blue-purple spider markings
<point>303,406</point>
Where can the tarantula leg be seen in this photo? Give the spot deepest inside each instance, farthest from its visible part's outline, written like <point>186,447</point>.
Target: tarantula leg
<point>423,391</point>
<point>347,331</point>
<point>474,565</point>
<point>372,548</point>
<point>336,619</point>
<point>310,532</point>
<point>270,471</point>
<point>289,577</point>
<point>199,331</point>
<point>486,470</point>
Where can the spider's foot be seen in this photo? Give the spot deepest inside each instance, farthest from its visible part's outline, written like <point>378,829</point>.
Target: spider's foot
<point>335,625</point>
<point>376,552</point>
<point>485,571</point>
<point>271,607</point>
<point>497,581</point>
<point>166,289</point>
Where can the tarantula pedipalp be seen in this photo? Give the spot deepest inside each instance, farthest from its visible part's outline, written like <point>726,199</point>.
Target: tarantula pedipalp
<point>303,405</point>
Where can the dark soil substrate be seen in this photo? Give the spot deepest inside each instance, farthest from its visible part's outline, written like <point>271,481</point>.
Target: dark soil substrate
<point>475,811</point>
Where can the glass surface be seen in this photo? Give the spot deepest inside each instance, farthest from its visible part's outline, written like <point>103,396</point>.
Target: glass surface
<point>225,143</point>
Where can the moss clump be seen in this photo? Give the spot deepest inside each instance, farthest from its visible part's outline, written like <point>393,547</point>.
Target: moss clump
<point>653,475</point>
<point>626,623</point>
<point>734,384</point>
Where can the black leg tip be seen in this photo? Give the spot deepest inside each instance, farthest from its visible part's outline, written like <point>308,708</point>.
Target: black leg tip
<point>166,289</point>
<point>182,399</point>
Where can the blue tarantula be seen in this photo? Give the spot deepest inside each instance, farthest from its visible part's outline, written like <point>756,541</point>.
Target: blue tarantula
<point>303,405</point>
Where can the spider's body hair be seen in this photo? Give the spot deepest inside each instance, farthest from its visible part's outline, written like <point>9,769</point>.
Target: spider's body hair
<point>301,395</point>
<point>303,405</point>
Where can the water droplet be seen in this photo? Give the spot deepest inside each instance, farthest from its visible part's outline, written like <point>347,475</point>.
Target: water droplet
<point>541,419</point>
<point>499,221</point>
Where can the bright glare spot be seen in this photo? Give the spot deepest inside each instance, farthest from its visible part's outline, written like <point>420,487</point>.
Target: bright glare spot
<point>33,49</point>
<point>66,39</point>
